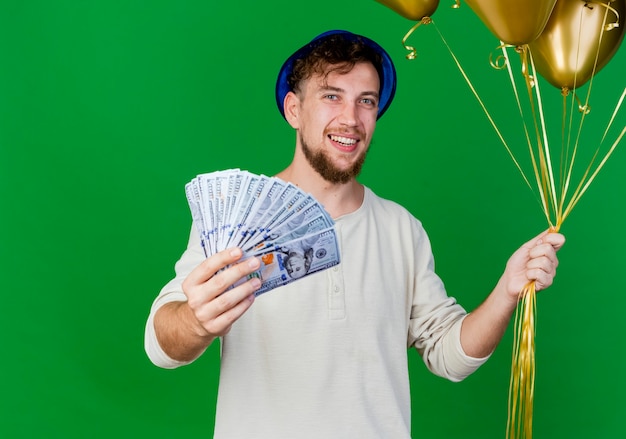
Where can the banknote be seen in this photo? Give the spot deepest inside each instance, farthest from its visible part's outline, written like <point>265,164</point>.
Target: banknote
<point>266,202</point>
<point>192,192</point>
<point>266,217</point>
<point>259,192</point>
<point>302,223</point>
<point>292,260</point>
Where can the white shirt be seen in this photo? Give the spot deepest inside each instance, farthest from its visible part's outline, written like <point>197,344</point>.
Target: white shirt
<point>326,356</point>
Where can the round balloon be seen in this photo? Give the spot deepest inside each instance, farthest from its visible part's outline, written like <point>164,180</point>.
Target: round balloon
<point>412,9</point>
<point>514,22</point>
<point>565,53</point>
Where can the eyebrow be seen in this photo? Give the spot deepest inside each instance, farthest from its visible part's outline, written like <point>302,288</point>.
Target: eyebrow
<point>326,88</point>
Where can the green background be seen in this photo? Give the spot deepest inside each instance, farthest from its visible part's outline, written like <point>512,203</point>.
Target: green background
<point>107,108</point>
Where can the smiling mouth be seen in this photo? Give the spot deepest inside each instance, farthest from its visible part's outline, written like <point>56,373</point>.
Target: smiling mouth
<point>345,141</point>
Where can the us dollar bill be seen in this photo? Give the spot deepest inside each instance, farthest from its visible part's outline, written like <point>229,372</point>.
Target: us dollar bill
<point>293,260</point>
<point>266,217</point>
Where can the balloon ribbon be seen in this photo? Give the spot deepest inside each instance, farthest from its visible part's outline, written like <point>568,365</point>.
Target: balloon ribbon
<point>425,20</point>
<point>412,52</point>
<point>554,206</point>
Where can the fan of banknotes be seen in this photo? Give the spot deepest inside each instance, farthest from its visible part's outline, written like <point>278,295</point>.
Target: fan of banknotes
<point>286,228</point>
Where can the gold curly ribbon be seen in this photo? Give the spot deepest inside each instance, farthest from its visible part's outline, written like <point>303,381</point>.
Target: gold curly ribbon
<point>499,62</point>
<point>607,26</point>
<point>412,52</point>
<point>425,20</point>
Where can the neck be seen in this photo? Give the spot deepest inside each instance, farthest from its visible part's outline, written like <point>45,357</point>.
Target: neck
<point>337,199</point>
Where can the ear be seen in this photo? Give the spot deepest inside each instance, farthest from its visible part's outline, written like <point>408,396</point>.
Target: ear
<point>291,105</point>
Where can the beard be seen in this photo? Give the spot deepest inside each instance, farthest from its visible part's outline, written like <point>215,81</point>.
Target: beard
<point>322,164</point>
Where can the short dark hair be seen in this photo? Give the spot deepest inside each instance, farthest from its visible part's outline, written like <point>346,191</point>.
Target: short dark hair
<point>337,51</point>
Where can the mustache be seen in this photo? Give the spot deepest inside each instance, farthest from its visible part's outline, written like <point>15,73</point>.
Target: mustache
<point>348,131</point>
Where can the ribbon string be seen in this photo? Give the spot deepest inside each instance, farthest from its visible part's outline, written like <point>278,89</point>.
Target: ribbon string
<point>425,20</point>
<point>553,194</point>
<point>412,51</point>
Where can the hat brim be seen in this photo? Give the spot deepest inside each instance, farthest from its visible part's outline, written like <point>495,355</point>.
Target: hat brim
<point>387,73</point>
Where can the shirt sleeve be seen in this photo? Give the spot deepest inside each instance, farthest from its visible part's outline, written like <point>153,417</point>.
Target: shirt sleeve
<point>172,292</point>
<point>436,319</point>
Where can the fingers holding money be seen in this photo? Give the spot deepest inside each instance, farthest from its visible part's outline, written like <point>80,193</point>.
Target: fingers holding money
<point>214,303</point>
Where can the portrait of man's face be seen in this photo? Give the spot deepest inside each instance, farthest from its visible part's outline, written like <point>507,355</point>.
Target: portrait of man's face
<point>297,264</point>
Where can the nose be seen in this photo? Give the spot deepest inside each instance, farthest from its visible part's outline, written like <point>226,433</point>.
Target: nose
<point>349,114</point>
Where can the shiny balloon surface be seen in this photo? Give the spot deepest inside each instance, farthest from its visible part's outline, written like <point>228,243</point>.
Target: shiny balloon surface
<point>412,9</point>
<point>578,32</point>
<point>514,22</point>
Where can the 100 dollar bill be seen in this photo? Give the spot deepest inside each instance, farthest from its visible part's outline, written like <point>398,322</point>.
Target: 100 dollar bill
<point>292,260</point>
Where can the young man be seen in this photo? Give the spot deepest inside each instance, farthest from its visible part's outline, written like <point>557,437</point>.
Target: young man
<point>326,356</point>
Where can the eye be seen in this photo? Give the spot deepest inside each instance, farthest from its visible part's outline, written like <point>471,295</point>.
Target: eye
<point>331,97</point>
<point>368,101</point>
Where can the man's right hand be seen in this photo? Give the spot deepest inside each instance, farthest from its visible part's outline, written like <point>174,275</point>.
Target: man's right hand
<point>185,329</point>
<point>214,306</point>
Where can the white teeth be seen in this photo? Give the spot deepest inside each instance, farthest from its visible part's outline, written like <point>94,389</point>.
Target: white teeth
<point>344,140</point>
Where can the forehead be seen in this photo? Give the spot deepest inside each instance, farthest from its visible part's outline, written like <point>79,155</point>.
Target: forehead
<point>362,75</point>
<point>295,257</point>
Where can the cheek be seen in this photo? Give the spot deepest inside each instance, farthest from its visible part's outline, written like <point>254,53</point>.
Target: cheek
<point>370,127</point>
<point>368,119</point>
<point>313,129</point>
